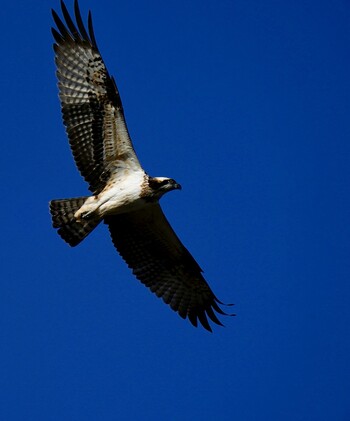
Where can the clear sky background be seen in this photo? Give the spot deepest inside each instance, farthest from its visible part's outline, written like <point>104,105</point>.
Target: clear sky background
<point>245,103</point>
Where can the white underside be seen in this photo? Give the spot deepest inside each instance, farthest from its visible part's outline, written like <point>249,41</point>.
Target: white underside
<point>122,194</point>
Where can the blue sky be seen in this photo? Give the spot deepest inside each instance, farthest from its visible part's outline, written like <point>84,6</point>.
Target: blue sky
<point>246,104</point>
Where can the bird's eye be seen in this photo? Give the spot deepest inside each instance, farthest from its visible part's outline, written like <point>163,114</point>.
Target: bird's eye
<point>164,183</point>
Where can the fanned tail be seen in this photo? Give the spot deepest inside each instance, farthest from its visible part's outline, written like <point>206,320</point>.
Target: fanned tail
<point>72,231</point>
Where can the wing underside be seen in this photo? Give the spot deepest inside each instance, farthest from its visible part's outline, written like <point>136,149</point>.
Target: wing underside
<point>159,260</point>
<point>91,106</point>
<point>94,118</point>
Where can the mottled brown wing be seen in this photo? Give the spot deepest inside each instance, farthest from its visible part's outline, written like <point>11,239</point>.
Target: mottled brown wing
<point>159,260</point>
<point>91,105</point>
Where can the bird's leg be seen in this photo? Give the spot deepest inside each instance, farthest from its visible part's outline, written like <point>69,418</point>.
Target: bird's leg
<point>87,210</point>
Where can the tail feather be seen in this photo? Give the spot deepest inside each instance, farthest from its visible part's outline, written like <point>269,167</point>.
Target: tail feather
<point>62,213</point>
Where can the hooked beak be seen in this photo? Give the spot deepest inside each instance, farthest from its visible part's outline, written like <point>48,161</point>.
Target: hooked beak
<point>177,186</point>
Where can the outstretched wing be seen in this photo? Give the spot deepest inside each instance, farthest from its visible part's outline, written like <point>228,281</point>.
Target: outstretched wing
<point>91,106</point>
<point>159,260</point>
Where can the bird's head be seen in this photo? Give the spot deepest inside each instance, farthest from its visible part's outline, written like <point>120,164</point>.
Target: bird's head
<point>162,185</point>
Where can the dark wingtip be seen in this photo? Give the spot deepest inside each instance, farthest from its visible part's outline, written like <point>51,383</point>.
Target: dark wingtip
<point>54,15</point>
<point>206,313</point>
<point>193,319</point>
<point>204,321</point>
<point>73,31</point>
<point>80,21</point>
<point>91,30</point>
<point>212,316</point>
<point>57,36</point>
<point>61,27</point>
<point>70,24</point>
<point>219,310</point>
<point>76,6</point>
<point>223,304</point>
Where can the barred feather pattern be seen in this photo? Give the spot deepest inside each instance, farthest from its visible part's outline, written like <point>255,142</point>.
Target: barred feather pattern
<point>91,106</point>
<point>101,146</point>
<point>160,261</point>
<point>62,213</point>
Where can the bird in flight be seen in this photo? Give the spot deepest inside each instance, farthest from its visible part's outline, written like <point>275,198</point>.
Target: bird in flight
<point>123,196</point>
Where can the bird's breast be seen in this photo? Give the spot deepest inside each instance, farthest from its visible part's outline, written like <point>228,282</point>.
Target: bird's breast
<point>122,194</point>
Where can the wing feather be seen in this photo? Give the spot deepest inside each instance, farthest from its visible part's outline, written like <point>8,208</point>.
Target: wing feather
<point>91,106</point>
<point>160,261</point>
<point>80,23</point>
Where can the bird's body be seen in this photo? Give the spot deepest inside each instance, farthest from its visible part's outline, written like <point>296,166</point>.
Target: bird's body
<point>125,191</point>
<point>123,196</point>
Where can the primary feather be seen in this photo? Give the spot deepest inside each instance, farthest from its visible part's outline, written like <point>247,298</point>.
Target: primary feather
<point>124,196</point>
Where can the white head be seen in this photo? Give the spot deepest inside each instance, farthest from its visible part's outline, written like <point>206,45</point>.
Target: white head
<point>161,185</point>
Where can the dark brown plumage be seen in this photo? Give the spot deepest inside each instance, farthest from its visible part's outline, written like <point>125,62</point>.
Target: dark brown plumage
<point>103,152</point>
<point>159,260</point>
<point>91,106</point>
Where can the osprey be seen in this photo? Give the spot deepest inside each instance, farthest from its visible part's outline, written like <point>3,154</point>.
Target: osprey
<point>124,196</point>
